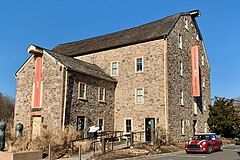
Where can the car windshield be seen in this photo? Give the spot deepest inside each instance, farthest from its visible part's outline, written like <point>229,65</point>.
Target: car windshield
<point>201,137</point>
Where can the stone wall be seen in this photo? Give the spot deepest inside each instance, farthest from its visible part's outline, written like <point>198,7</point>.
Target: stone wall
<point>91,108</point>
<point>52,95</point>
<point>151,79</point>
<point>176,82</point>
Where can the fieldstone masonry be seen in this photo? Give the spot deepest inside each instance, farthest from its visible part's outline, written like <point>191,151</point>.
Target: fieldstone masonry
<point>160,80</point>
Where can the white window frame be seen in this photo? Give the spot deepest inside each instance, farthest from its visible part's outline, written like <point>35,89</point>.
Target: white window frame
<point>181,68</point>
<point>79,90</point>
<point>99,94</point>
<point>180,41</point>
<point>204,105</point>
<point>181,98</point>
<point>136,96</point>
<point>114,68</point>
<point>195,106</point>
<point>186,23</point>
<point>203,81</point>
<point>202,60</point>
<point>136,64</point>
<point>182,127</point>
<point>197,36</point>
<point>102,124</point>
<point>125,125</point>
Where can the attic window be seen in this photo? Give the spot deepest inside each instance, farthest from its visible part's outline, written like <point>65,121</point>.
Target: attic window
<point>197,36</point>
<point>186,23</point>
<point>180,41</point>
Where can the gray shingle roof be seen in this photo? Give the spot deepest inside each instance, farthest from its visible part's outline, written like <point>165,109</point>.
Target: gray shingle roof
<point>81,66</point>
<point>147,32</point>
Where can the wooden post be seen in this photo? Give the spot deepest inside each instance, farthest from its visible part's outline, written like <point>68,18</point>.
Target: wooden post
<point>103,145</point>
<point>49,152</point>
<point>80,152</point>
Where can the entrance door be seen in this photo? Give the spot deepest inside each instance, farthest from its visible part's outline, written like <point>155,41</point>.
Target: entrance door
<point>36,126</point>
<point>150,129</point>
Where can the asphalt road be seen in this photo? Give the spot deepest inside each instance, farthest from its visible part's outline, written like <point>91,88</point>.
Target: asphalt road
<point>228,153</point>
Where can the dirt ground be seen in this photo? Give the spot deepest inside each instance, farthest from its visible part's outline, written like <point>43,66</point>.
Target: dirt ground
<point>138,150</point>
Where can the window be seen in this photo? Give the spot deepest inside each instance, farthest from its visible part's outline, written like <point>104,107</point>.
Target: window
<point>139,95</point>
<point>181,68</point>
<point>114,68</point>
<point>101,94</point>
<point>203,82</point>
<point>139,64</point>
<point>202,60</point>
<point>204,105</point>
<point>82,87</point>
<point>182,126</point>
<point>186,23</point>
<point>180,41</point>
<point>101,124</point>
<point>80,123</point>
<point>197,36</point>
<point>181,97</point>
<point>195,106</point>
<point>128,125</point>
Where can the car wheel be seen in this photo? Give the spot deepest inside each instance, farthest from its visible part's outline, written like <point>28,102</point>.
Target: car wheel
<point>221,147</point>
<point>209,149</point>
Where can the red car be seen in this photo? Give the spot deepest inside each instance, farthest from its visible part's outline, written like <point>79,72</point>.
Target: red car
<point>204,142</point>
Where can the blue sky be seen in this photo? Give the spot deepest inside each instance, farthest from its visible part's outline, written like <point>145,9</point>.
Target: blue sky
<point>49,22</point>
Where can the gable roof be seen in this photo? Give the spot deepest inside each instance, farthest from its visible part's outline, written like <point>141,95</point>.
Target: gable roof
<point>147,32</point>
<point>81,66</point>
<point>69,62</point>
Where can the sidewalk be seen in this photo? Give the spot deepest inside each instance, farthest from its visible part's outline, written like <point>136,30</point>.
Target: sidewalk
<point>86,156</point>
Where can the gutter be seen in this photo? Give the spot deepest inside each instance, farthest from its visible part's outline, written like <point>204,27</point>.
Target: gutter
<point>65,99</point>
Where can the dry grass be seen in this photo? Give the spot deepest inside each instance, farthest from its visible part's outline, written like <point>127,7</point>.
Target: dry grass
<point>60,143</point>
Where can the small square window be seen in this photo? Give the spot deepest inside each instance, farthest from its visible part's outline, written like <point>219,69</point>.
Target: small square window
<point>80,123</point>
<point>195,106</point>
<point>128,125</point>
<point>204,105</point>
<point>181,68</point>
<point>139,64</point>
<point>139,95</point>
<point>186,23</point>
<point>182,126</point>
<point>180,41</point>
<point>181,98</point>
<point>82,87</point>
<point>114,68</point>
<point>197,36</point>
<point>203,82</point>
<point>202,60</point>
<point>101,96</point>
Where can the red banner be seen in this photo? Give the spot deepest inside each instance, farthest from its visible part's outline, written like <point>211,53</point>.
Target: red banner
<point>195,72</point>
<point>37,82</point>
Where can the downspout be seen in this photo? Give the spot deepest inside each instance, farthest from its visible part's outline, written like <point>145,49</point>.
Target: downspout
<point>65,99</point>
<point>166,86</point>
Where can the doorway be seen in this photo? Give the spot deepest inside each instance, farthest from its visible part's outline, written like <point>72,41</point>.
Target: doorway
<point>150,129</point>
<point>36,126</point>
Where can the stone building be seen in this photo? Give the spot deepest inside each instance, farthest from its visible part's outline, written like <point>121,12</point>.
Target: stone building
<point>157,75</point>
<point>54,90</point>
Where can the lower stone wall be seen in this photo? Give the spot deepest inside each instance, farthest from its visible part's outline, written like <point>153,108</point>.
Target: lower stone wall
<point>90,108</point>
<point>29,155</point>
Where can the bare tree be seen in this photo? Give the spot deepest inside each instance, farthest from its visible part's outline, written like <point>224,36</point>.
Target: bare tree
<point>6,107</point>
